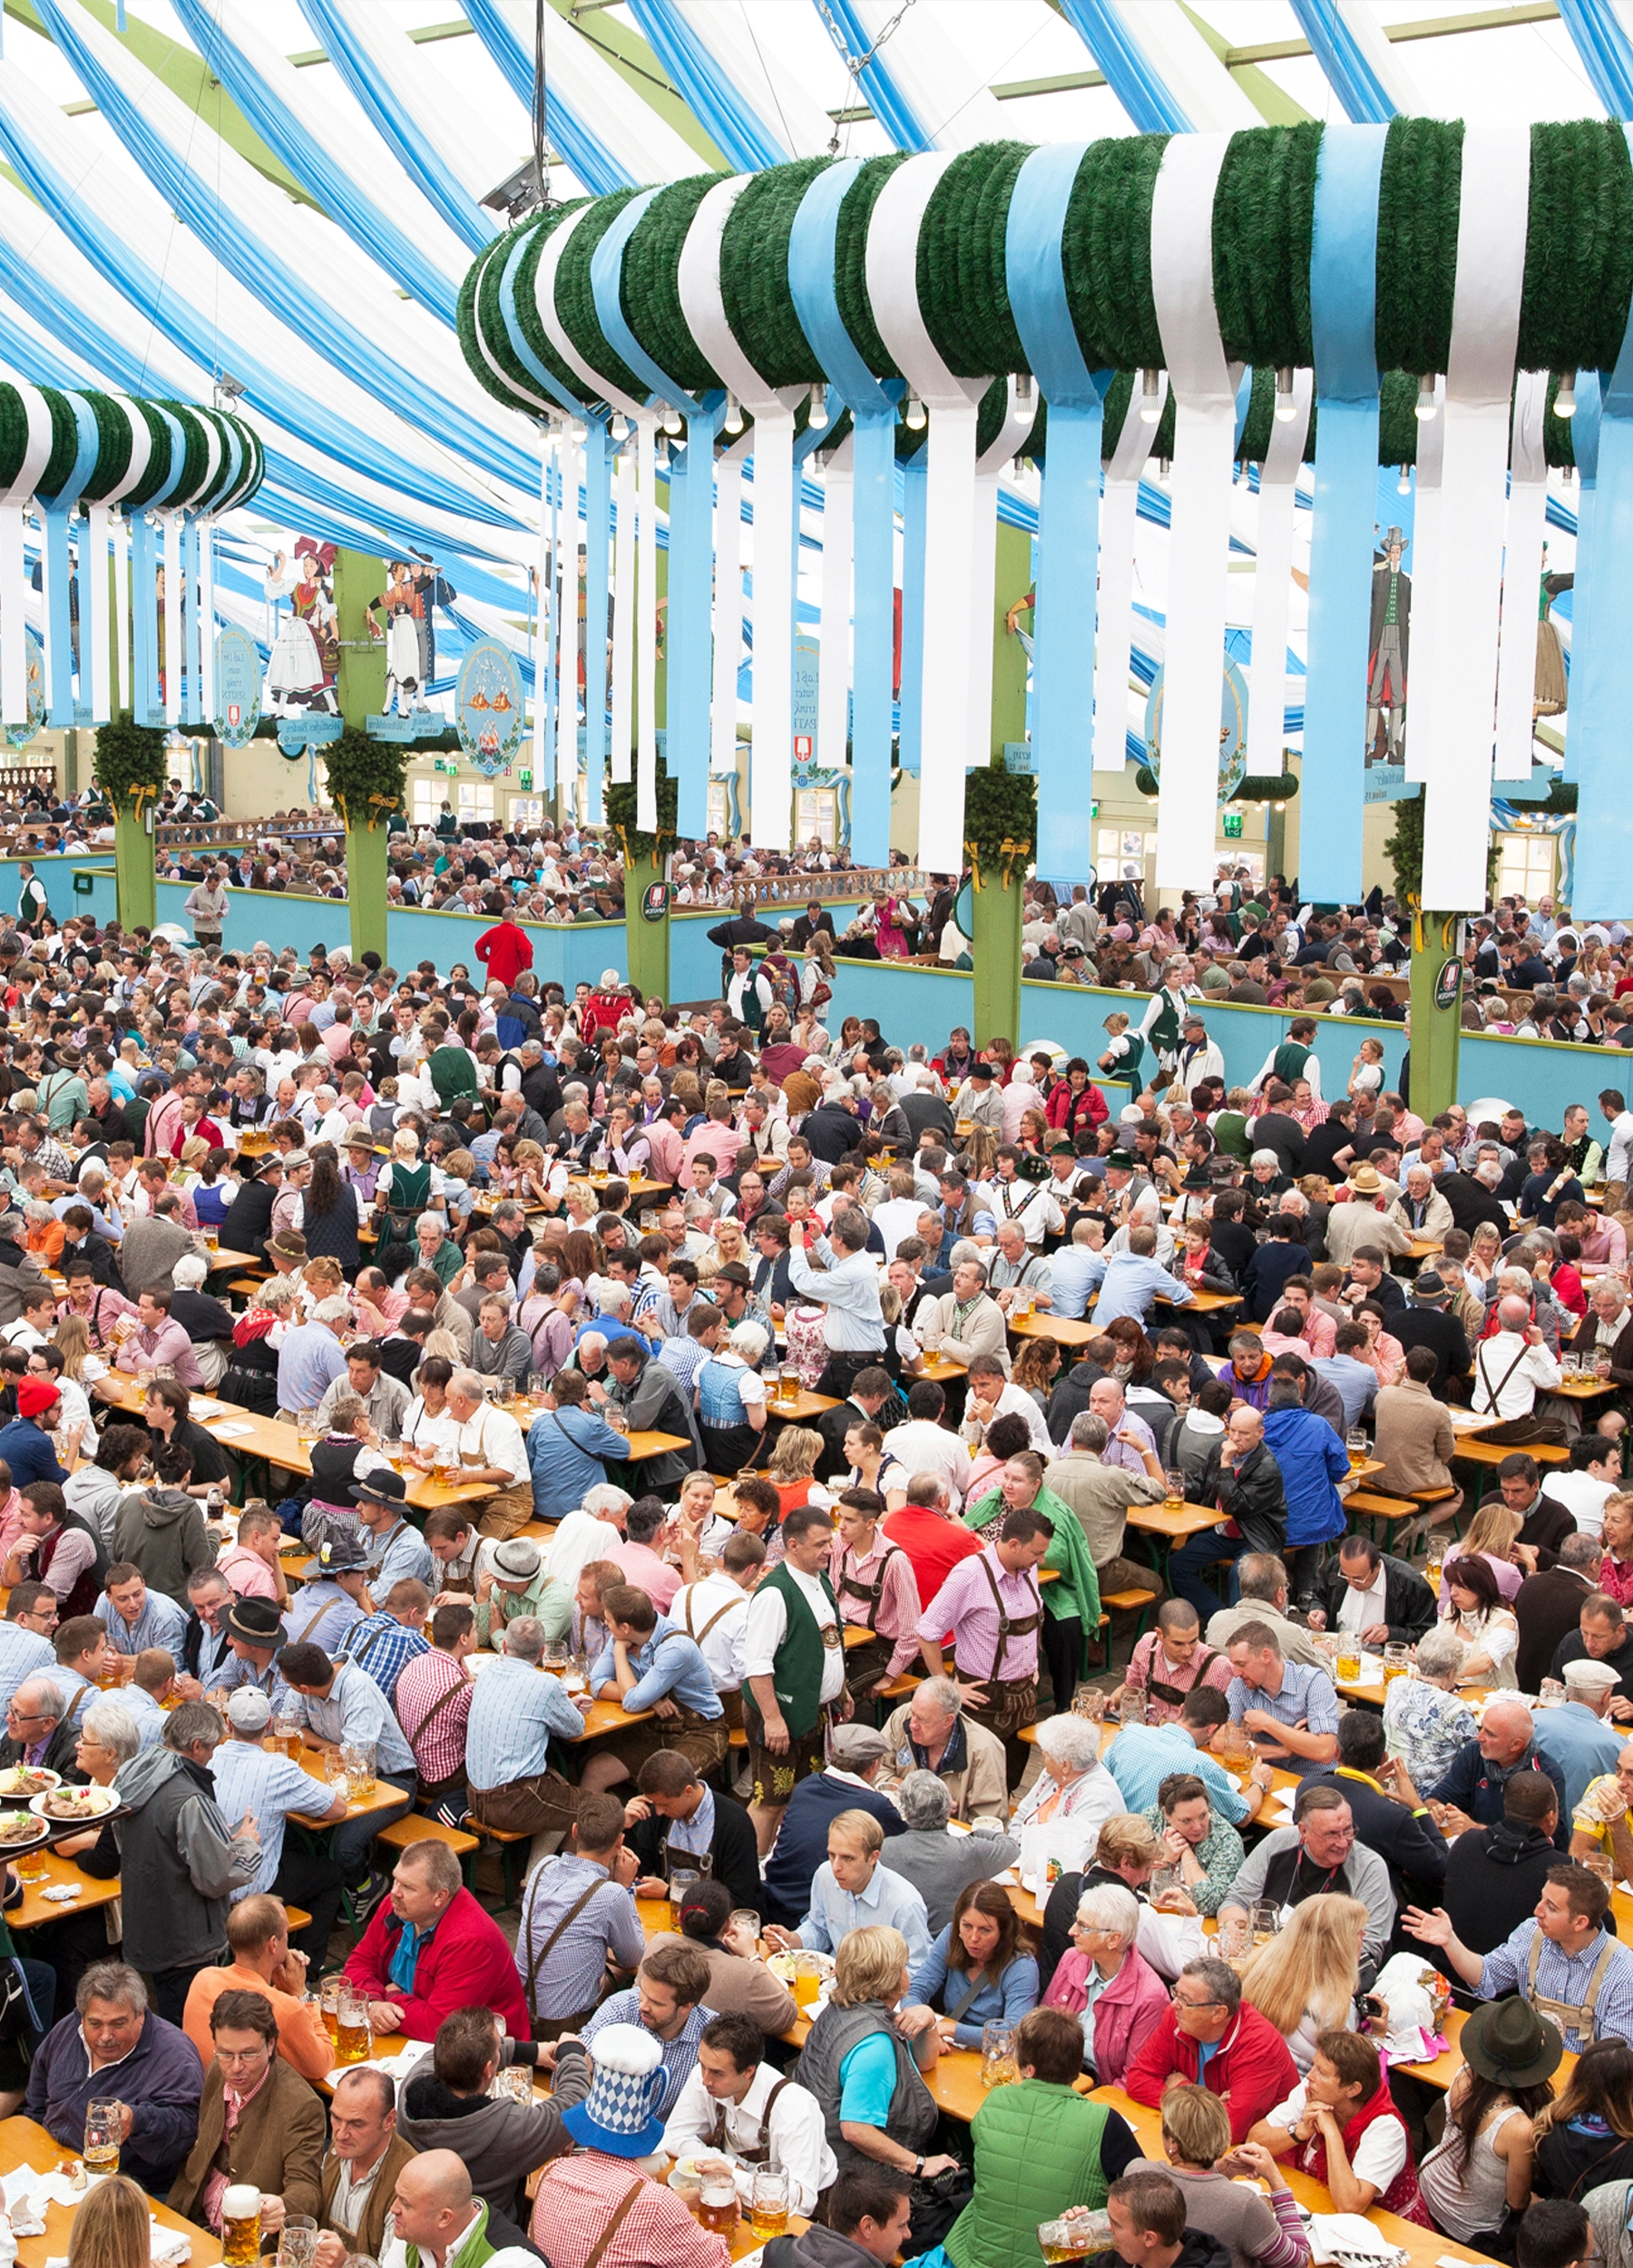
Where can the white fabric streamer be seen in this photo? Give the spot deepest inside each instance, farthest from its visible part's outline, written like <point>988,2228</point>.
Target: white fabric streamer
<point>1273,581</point>
<point>771,727</point>
<point>1521,575</point>
<point>1425,588</point>
<point>544,601</point>
<point>623,612</point>
<point>951,538</point>
<point>567,644</point>
<point>727,603</point>
<point>1493,210</point>
<point>207,631</point>
<point>1205,385</point>
<point>646,621</point>
<point>121,610</point>
<point>556,331</point>
<point>839,562</point>
<point>175,571</point>
<point>989,470</point>
<point>14,619</point>
<point>1120,509</point>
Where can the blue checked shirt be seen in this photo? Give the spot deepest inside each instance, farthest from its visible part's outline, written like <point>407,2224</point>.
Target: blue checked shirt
<point>319,1614</point>
<point>669,1663</point>
<point>680,2058</point>
<point>23,1652</point>
<point>611,1922</point>
<point>1566,1981</point>
<point>354,1708</point>
<point>398,1551</point>
<point>515,1711</point>
<point>380,1644</point>
<point>160,1623</point>
<point>1131,1284</point>
<point>1307,1695</point>
<point>890,1900</point>
<point>251,1778</point>
<point>1142,1756</point>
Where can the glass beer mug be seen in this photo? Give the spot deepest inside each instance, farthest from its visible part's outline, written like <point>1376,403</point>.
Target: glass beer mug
<point>352,2037</point>
<point>102,2137</point>
<point>241,2225</point>
<point>769,2203</point>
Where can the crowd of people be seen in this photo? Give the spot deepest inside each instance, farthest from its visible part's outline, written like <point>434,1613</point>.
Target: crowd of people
<point>822,1677</point>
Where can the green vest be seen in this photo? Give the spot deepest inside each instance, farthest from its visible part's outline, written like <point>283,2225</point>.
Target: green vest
<point>1163,1030</point>
<point>473,2252</point>
<point>1037,2154</point>
<point>1290,1060</point>
<point>796,1673</point>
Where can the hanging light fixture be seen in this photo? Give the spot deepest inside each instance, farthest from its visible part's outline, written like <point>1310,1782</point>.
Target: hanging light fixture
<point>916,420</point>
<point>578,433</point>
<point>620,426</point>
<point>1403,485</point>
<point>660,454</point>
<point>1565,399</point>
<point>1426,404</point>
<point>819,408</point>
<point>1150,396</point>
<point>1287,408</point>
<point>1023,390</point>
<point>672,419</point>
<point>732,422</point>
<point>1162,469</point>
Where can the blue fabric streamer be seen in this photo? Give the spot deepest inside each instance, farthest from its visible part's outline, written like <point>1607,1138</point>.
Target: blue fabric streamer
<point>192,625</point>
<point>437,184</point>
<point>1343,263</point>
<point>744,140</point>
<point>890,106</point>
<point>1152,107</point>
<point>277,282</point>
<point>543,375</point>
<point>915,535</point>
<point>594,165</point>
<point>598,523</point>
<point>1601,654</point>
<point>1349,73</point>
<point>318,169</point>
<point>1605,50</point>
<point>873,407</point>
<point>1069,517</point>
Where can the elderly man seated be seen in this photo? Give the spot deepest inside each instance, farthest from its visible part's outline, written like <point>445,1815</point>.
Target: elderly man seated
<point>1318,1854</point>
<point>1513,1365</point>
<point>935,1861</point>
<point>931,1732</point>
<point>1419,1209</point>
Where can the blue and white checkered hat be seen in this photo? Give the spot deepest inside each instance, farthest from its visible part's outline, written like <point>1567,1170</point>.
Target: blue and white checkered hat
<point>617,2114</point>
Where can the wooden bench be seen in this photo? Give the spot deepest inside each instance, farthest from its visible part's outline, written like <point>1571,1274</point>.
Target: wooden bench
<point>418,1827</point>
<point>504,1840</point>
<point>1138,1602</point>
<point>1368,1505</point>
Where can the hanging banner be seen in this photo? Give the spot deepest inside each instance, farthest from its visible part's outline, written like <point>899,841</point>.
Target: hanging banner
<point>238,689</point>
<point>19,734</point>
<point>488,712</point>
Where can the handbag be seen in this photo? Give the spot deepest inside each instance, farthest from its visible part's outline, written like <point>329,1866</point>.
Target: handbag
<point>936,2203</point>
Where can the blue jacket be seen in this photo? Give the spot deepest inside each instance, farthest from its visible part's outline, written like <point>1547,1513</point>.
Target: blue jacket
<point>565,1449</point>
<point>1311,1458</point>
<point>801,1844</point>
<point>29,1453</point>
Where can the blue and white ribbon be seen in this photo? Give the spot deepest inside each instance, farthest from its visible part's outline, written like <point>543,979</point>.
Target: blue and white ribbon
<point>1495,207</point>
<point>1069,514</point>
<point>1522,581</point>
<point>729,604</point>
<point>1273,581</point>
<point>1205,386</point>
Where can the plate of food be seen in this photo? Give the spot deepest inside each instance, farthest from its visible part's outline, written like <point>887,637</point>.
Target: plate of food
<point>74,1802</point>
<point>20,1831</point>
<point>24,1780</point>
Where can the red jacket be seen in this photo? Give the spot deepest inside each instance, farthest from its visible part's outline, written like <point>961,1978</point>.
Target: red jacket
<point>507,950</point>
<point>464,1963</point>
<point>1250,2070</point>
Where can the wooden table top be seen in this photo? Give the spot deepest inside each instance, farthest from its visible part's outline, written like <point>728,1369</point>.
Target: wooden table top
<point>315,1758</point>
<point>1472,1449</point>
<point>1177,1521</point>
<point>1062,1329</point>
<point>23,2143</point>
<point>36,1908</point>
<point>1582,1389</point>
<point>805,1404</point>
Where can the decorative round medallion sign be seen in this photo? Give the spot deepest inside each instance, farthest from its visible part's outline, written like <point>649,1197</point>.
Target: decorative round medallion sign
<point>488,710</point>
<point>1233,729</point>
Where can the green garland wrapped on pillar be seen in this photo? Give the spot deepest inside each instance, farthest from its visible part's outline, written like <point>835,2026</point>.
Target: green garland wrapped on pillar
<point>646,857</point>
<point>365,786</point>
<point>1001,840</point>
<point>131,771</point>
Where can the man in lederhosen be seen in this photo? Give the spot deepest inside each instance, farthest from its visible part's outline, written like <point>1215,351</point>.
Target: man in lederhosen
<point>992,1604</point>
<point>876,1591</point>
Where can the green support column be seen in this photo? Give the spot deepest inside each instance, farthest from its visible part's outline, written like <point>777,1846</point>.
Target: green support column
<point>646,944</point>
<point>1436,1012</point>
<point>1012,581</point>
<point>133,869</point>
<point>359,578</point>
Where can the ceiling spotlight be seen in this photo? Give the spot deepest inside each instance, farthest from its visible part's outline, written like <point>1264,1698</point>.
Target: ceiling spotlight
<point>620,426</point>
<point>1150,396</point>
<point>916,420</point>
<point>1162,468</point>
<point>672,419</point>
<point>1403,485</point>
<point>229,389</point>
<point>732,422</point>
<point>819,409</point>
<point>1426,404</point>
<point>1287,408</point>
<point>519,192</point>
<point>1565,399</point>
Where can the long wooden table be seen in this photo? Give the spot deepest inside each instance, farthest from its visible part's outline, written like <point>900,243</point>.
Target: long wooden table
<point>24,2143</point>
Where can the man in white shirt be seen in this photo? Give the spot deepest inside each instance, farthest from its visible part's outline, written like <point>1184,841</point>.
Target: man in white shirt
<point>1619,1150</point>
<point>1594,1476</point>
<point>898,1216</point>
<point>1026,1203</point>
<point>737,2104</point>
<point>594,1531</point>
<point>714,1613</point>
<point>1511,1364</point>
<point>924,1445</point>
<point>783,1749</point>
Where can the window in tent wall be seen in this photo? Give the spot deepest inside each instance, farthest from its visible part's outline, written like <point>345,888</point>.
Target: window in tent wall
<point>472,799</point>
<point>1126,853</point>
<point>816,812</point>
<point>427,798</point>
<point>526,811</point>
<point>1526,863</point>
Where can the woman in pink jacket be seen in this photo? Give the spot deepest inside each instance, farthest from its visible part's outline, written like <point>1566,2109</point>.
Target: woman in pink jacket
<point>1116,1996</point>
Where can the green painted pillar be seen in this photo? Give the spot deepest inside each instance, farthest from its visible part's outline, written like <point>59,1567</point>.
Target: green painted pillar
<point>1012,578</point>
<point>1436,1011</point>
<point>134,868</point>
<point>646,944</point>
<point>995,948</point>
<point>359,578</point>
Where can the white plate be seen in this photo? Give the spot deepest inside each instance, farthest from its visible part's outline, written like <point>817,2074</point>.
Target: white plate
<point>107,1800</point>
<point>8,1787</point>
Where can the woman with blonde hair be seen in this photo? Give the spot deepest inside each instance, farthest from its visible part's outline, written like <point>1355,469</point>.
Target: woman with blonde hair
<point>795,1455</point>
<point>1491,1535</point>
<point>865,2054</point>
<point>1485,1252</point>
<point>1303,1981</point>
<point>110,2228</point>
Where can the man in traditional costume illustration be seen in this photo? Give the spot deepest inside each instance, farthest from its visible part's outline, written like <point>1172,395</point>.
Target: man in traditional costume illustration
<point>1387,651</point>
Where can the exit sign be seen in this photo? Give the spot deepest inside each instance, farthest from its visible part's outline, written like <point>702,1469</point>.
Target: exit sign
<point>1233,826</point>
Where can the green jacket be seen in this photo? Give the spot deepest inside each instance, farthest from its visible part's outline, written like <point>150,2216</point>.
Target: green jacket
<point>1037,2153</point>
<point>1078,1591</point>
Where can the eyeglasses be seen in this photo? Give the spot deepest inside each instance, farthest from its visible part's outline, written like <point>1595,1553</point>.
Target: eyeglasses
<point>1197,2005</point>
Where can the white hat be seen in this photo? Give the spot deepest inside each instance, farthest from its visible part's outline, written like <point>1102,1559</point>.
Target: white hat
<point>1590,1676</point>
